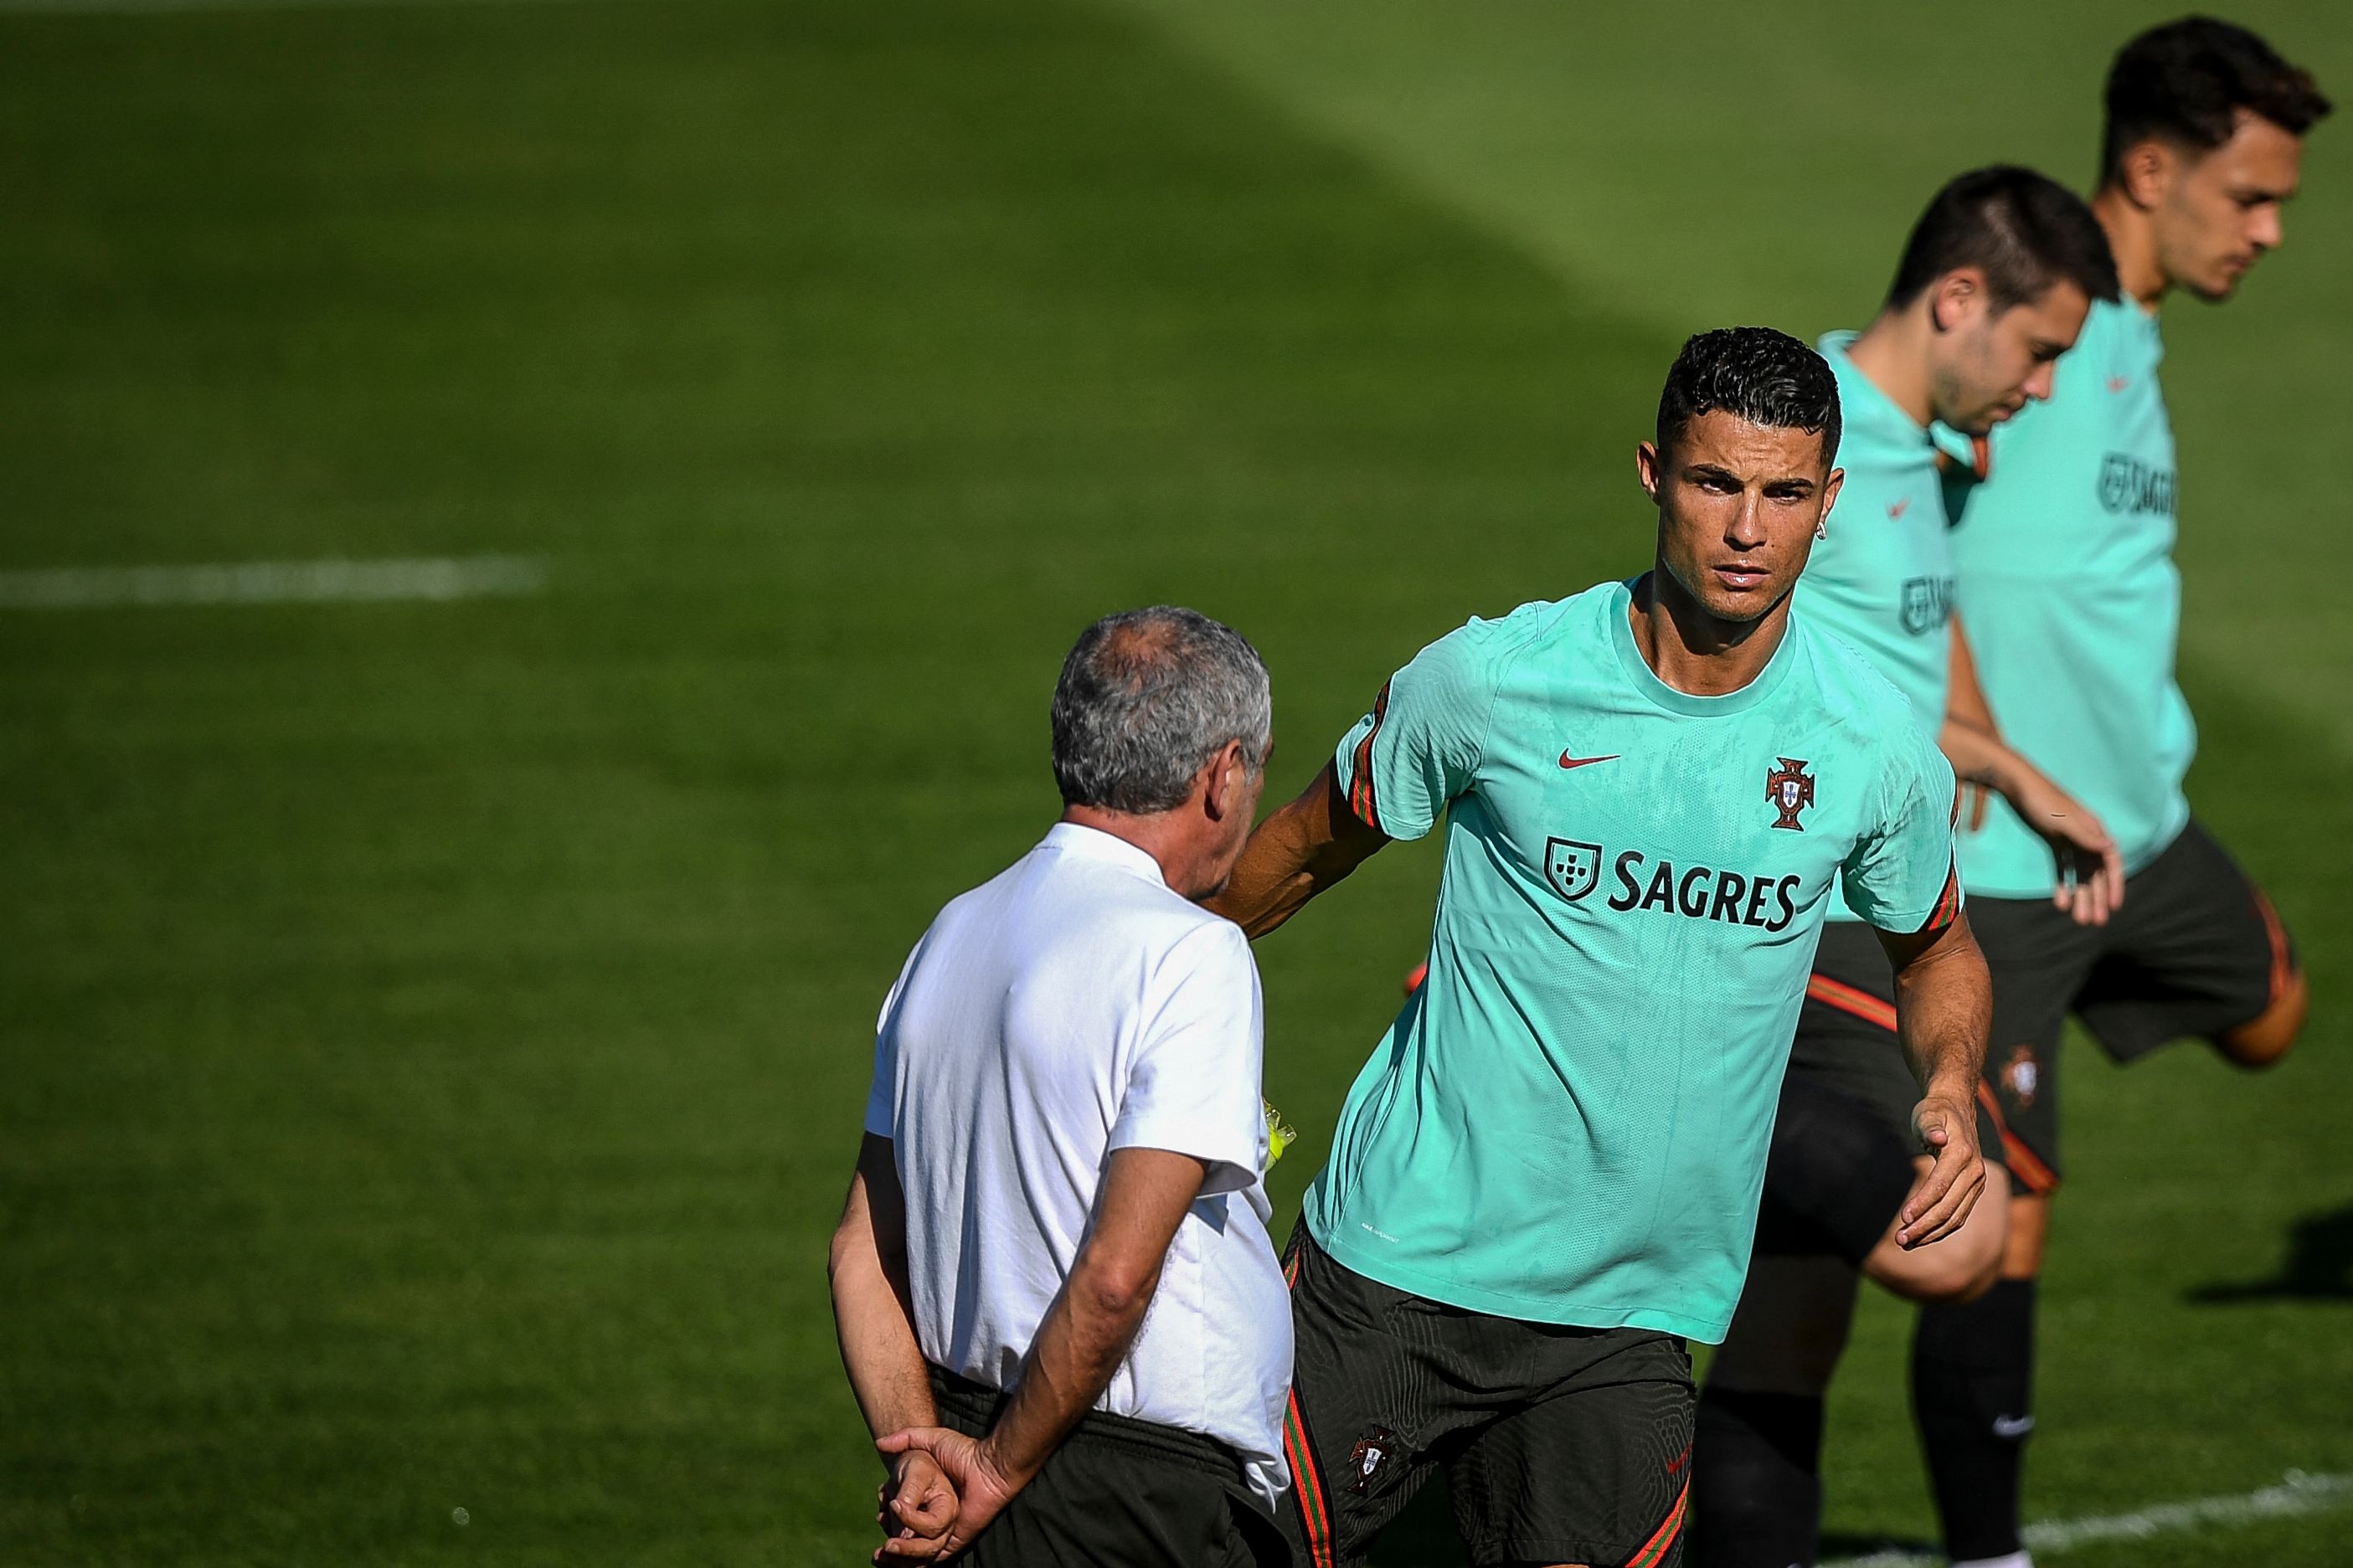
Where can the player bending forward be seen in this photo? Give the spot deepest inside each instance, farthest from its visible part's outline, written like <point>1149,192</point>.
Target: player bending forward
<point>1993,286</point>
<point>1545,1179</point>
<point>2072,600</point>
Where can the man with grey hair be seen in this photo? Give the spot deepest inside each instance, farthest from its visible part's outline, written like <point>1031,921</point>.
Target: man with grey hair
<point>1065,1130</point>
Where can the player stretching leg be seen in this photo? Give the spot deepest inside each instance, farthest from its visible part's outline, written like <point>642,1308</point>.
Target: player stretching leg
<point>1544,1180</point>
<point>2072,600</point>
<point>1993,286</point>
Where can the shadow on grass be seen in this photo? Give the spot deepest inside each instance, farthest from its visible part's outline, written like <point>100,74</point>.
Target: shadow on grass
<point>2320,1266</point>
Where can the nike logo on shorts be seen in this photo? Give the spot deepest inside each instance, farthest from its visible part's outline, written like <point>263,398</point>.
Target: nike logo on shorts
<point>1568,762</point>
<point>2013,1426</point>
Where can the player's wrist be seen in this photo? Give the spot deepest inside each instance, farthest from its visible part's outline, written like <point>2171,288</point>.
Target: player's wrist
<point>1952,1093</point>
<point>1003,1473</point>
<point>2010,775</point>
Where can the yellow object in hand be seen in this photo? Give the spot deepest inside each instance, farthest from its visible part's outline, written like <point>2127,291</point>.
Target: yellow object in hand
<point>1279,1134</point>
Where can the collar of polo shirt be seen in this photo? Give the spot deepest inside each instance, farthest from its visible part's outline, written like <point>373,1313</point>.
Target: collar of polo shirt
<point>1076,839</point>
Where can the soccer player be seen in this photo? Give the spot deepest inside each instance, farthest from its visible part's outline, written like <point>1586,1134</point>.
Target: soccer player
<point>1057,1299</point>
<point>1543,1181</point>
<point>2069,588</point>
<point>1993,286</point>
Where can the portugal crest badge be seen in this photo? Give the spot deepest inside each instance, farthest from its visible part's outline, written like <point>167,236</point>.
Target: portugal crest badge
<point>1371,1452</point>
<point>2021,1076</point>
<point>1789,789</point>
<point>1572,868</point>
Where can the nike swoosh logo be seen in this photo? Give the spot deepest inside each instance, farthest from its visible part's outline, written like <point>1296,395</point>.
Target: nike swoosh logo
<point>2118,383</point>
<point>2013,1426</point>
<point>1568,762</point>
<point>1898,507</point>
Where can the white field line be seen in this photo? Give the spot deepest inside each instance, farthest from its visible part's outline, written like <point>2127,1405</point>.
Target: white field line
<point>271,583</point>
<point>140,8</point>
<point>2297,1494</point>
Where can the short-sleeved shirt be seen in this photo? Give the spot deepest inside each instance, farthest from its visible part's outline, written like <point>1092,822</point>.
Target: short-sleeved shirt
<point>2073,602</point>
<point>1882,577</point>
<point>1567,1122</point>
<point>1072,1007</point>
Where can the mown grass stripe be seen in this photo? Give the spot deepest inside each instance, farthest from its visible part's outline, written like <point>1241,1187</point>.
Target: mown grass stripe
<point>271,583</point>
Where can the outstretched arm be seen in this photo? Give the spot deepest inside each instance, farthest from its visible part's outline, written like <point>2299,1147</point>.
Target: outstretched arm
<point>1085,1333</point>
<point>873,1319</point>
<point>2090,866</point>
<point>1944,1012</point>
<point>1297,852</point>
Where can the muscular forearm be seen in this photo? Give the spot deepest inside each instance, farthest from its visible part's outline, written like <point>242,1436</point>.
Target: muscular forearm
<point>1275,877</point>
<point>1085,1333</point>
<point>1093,1319</point>
<point>873,1314</point>
<point>1944,1007</point>
<point>1303,849</point>
<point>886,1367</point>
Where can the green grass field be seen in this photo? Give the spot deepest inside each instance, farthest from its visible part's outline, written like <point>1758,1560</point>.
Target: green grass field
<point>433,1035</point>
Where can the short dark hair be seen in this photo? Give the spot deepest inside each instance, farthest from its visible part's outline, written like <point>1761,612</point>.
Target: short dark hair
<point>1757,374</point>
<point>2025,232</point>
<point>2186,81</point>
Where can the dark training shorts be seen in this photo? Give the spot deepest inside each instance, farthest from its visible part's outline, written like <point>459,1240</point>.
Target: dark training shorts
<point>2196,950</point>
<point>1119,1490</point>
<point>1839,1164</point>
<point>1562,1444</point>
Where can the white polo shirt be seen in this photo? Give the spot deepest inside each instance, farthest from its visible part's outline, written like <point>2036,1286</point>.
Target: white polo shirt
<point>1072,1007</point>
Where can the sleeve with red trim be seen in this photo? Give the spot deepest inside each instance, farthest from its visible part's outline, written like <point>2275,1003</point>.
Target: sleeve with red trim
<point>1420,746</point>
<point>1900,875</point>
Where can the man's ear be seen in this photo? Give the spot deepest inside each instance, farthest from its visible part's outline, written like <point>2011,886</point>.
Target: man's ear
<point>1227,773</point>
<point>1955,298</point>
<point>2145,171</point>
<point>1650,469</point>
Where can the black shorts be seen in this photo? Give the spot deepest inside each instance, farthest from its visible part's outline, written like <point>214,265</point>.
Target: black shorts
<point>1563,1445</point>
<point>1120,1490</point>
<point>2196,950</point>
<point>1840,1161</point>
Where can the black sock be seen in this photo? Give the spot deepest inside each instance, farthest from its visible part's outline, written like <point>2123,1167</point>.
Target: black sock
<point>1972,1392</point>
<point>1757,1490</point>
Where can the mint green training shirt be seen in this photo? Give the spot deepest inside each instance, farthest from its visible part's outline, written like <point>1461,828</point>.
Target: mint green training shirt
<point>1882,577</point>
<point>1567,1122</point>
<point>2073,602</point>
